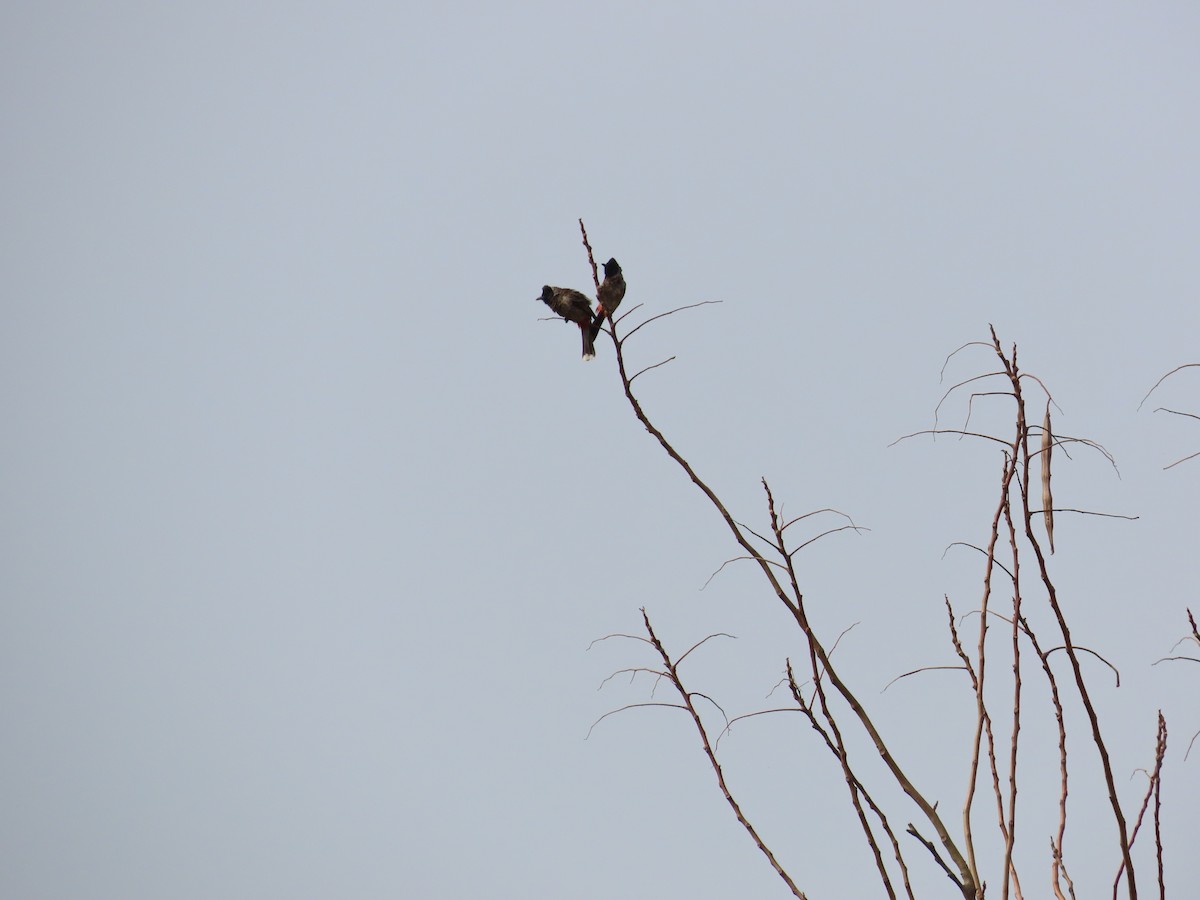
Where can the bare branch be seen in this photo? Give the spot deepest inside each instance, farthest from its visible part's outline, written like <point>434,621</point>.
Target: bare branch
<point>613,712</point>
<point>1116,673</point>
<point>937,431</point>
<point>669,312</point>
<point>770,543</point>
<point>720,709</point>
<point>626,312</point>
<point>954,388</point>
<point>648,368</point>
<point>1185,459</point>
<point>686,696</point>
<point>971,403</point>
<point>815,512</point>
<point>701,643</point>
<point>631,637</point>
<point>1164,378</point>
<point>1152,790</point>
<point>1176,412</point>
<point>761,561</point>
<point>633,672</point>
<point>942,374</point>
<point>994,562</point>
<point>923,669</point>
<point>856,528</point>
<point>912,829</point>
<point>591,258</point>
<point>1090,512</point>
<point>838,640</point>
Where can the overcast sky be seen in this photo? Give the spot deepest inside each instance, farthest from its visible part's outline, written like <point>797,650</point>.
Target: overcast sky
<point>308,519</point>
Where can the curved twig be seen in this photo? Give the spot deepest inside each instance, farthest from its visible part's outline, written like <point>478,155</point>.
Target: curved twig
<point>632,637</point>
<point>954,388</point>
<point>669,312</point>
<point>648,368</point>
<point>769,562</point>
<point>1185,459</point>
<point>942,373</point>
<point>1164,378</point>
<point>855,528</point>
<point>1116,672</point>
<point>701,642</point>
<point>937,431</point>
<point>1178,412</point>
<point>613,712</point>
<point>923,669</point>
<point>815,512</point>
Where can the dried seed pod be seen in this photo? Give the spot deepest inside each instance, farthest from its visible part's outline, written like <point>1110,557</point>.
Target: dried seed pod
<point>1047,500</point>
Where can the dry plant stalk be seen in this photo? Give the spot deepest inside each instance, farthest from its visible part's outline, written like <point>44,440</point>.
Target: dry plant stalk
<point>1015,491</point>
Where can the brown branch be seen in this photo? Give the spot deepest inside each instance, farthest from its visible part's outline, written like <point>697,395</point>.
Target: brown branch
<point>633,672</point>
<point>701,643</point>
<point>919,671</point>
<point>1164,378</point>
<point>1057,841</point>
<point>1152,790</point>
<point>954,388</point>
<point>979,673</point>
<point>995,562</point>
<point>946,362</point>
<point>912,829</point>
<point>1088,650</point>
<point>686,696</point>
<point>1185,459</point>
<point>613,712</point>
<point>1177,412</point>
<point>859,529</point>
<point>591,258</point>
<point>751,558</point>
<point>1010,832</point>
<point>648,368</point>
<point>856,788</point>
<point>937,431</point>
<point>815,512</point>
<point>669,312</point>
<point>1088,512</point>
<point>624,313</point>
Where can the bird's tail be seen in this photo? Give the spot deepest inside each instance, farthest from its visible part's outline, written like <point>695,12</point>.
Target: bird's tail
<point>589,343</point>
<point>596,323</point>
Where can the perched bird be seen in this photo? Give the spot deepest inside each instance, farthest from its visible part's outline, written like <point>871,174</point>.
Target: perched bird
<point>574,307</point>
<point>608,298</point>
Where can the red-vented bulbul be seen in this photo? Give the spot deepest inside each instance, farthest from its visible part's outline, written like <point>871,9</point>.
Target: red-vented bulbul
<point>574,307</point>
<point>608,298</point>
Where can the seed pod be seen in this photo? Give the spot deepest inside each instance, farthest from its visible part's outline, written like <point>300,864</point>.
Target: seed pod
<point>1047,500</point>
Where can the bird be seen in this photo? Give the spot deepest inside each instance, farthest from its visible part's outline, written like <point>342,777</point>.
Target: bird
<point>574,307</point>
<point>609,296</point>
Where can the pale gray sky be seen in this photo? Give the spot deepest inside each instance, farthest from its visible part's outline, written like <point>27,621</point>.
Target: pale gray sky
<point>303,534</point>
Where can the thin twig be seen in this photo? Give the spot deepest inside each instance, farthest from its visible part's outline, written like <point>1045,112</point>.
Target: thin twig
<point>648,368</point>
<point>669,312</point>
<point>1164,378</point>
